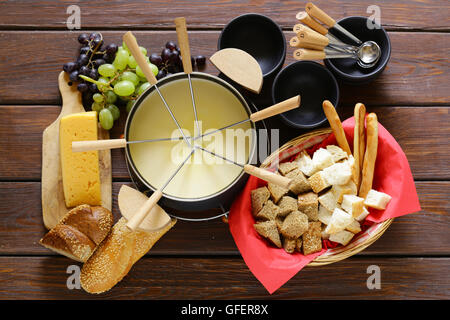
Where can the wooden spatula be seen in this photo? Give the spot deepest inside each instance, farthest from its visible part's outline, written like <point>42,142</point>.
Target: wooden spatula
<point>53,204</point>
<point>240,67</point>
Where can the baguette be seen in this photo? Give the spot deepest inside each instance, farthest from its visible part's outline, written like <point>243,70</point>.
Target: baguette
<point>79,232</point>
<point>336,126</point>
<point>115,256</point>
<point>359,142</point>
<point>370,155</point>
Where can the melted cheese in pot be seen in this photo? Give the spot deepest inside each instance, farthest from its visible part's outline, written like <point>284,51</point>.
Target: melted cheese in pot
<point>203,174</point>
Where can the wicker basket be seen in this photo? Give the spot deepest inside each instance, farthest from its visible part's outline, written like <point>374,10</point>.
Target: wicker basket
<point>357,244</point>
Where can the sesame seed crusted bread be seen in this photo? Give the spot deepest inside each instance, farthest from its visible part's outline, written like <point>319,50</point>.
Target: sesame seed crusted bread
<point>79,232</point>
<point>268,212</point>
<point>259,199</point>
<point>294,225</point>
<point>268,229</point>
<point>276,192</point>
<point>115,256</point>
<point>287,205</point>
<point>299,182</point>
<point>312,238</point>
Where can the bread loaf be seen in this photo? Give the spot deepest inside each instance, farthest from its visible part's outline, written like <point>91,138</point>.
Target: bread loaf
<point>79,232</point>
<point>115,256</point>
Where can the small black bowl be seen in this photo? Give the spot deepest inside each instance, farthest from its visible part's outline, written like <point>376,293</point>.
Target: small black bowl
<point>348,70</point>
<point>314,83</point>
<point>260,37</point>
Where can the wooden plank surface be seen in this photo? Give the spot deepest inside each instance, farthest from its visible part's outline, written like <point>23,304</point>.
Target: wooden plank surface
<point>22,126</point>
<point>397,14</point>
<point>229,278</point>
<point>415,74</point>
<point>423,233</point>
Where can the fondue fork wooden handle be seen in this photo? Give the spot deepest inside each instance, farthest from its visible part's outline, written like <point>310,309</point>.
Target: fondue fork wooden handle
<point>268,176</point>
<point>278,108</point>
<point>183,42</point>
<point>136,220</point>
<point>319,14</point>
<point>336,126</point>
<point>305,18</point>
<point>309,54</point>
<point>136,52</point>
<point>82,146</point>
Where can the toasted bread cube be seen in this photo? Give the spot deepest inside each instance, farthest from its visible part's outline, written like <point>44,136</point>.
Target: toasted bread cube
<point>339,221</point>
<point>336,153</point>
<point>298,245</point>
<point>279,223</point>
<point>328,201</point>
<point>287,167</point>
<point>299,182</point>
<point>324,215</point>
<point>343,237</point>
<point>322,159</point>
<point>353,204</point>
<point>294,225</point>
<point>289,245</point>
<point>287,205</point>
<point>276,192</point>
<point>354,227</point>
<point>340,190</point>
<point>308,204</point>
<point>363,215</point>
<point>338,173</point>
<point>268,212</point>
<point>318,182</point>
<point>268,229</point>
<point>305,164</point>
<point>312,238</point>
<point>377,200</point>
<point>259,199</point>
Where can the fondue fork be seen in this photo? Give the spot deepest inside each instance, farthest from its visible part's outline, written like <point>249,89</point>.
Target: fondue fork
<point>92,145</point>
<point>278,108</point>
<point>180,24</point>
<point>136,52</point>
<point>263,174</point>
<point>137,219</point>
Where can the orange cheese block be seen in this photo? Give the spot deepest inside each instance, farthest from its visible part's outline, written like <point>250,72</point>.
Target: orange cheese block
<point>80,170</point>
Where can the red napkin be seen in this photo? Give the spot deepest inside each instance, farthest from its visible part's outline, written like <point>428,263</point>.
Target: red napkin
<point>272,266</point>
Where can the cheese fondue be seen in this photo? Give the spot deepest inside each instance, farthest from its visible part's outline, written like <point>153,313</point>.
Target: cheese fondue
<point>203,174</point>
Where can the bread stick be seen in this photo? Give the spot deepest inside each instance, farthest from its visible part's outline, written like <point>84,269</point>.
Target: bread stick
<point>358,142</point>
<point>370,155</point>
<point>336,126</point>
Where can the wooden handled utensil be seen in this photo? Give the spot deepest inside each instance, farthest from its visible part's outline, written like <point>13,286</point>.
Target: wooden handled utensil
<point>183,42</point>
<point>320,15</point>
<point>278,108</point>
<point>326,53</point>
<point>300,43</point>
<point>82,146</point>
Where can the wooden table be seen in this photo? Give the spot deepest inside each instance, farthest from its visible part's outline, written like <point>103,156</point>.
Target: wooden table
<point>200,260</point>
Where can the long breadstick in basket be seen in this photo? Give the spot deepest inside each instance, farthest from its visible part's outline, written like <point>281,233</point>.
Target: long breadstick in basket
<point>359,143</point>
<point>336,126</point>
<point>370,156</point>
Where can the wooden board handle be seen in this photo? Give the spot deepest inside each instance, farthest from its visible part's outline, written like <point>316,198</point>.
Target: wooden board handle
<point>305,18</point>
<point>313,37</point>
<point>183,42</point>
<point>136,52</point>
<point>336,126</point>
<point>308,54</point>
<point>319,14</point>
<point>278,108</point>
<point>298,43</point>
<point>82,146</point>
<point>268,176</point>
<point>136,220</point>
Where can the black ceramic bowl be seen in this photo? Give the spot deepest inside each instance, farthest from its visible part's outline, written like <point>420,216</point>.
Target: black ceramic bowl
<point>260,37</point>
<point>348,70</point>
<point>314,83</point>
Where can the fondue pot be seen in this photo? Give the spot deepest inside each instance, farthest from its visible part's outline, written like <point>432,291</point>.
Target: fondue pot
<point>184,115</point>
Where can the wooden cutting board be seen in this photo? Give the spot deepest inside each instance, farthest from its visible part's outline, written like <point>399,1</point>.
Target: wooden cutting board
<point>53,204</point>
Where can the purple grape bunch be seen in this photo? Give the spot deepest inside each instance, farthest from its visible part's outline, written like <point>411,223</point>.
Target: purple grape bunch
<point>92,55</point>
<point>170,61</point>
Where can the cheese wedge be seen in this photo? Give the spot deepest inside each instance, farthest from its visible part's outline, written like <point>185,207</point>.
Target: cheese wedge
<point>80,170</point>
